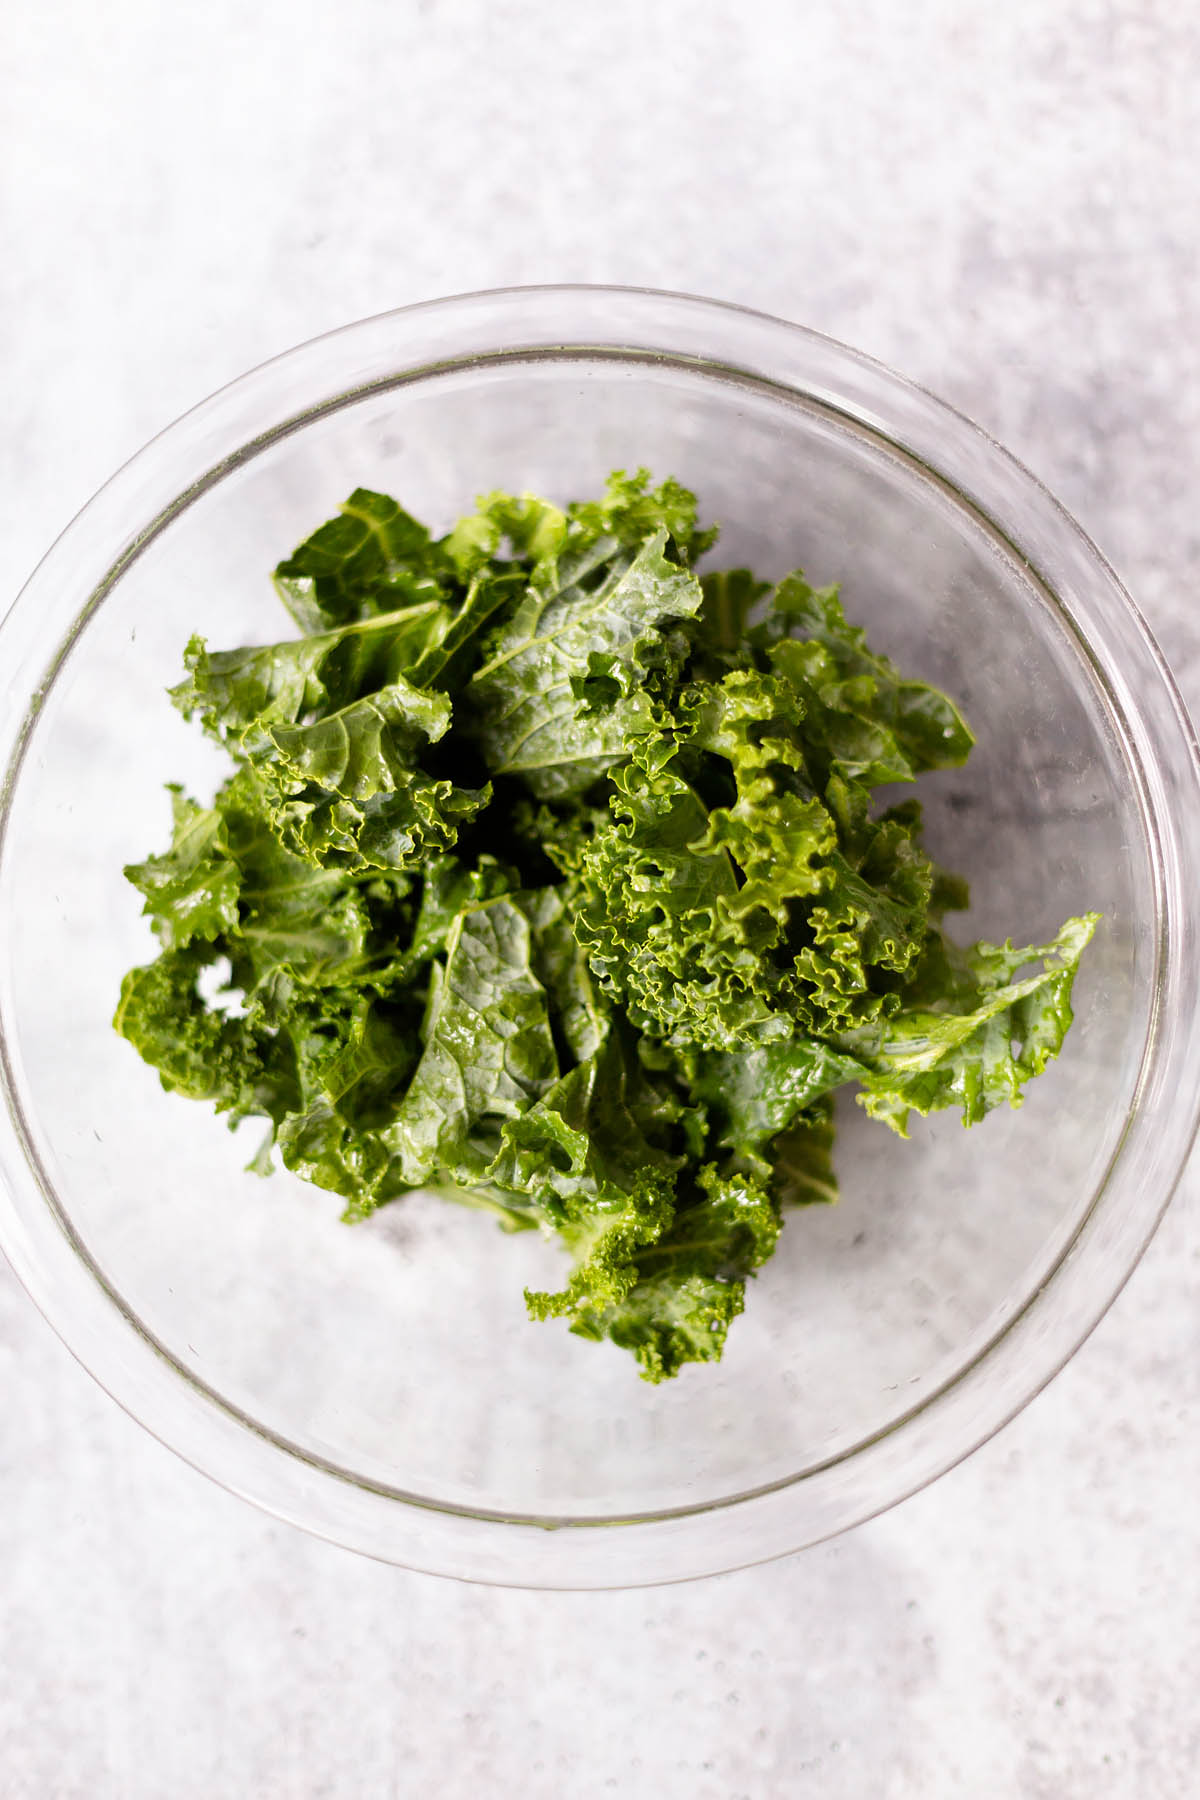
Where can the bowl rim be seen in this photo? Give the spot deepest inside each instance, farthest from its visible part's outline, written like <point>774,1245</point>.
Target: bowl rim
<point>419,342</point>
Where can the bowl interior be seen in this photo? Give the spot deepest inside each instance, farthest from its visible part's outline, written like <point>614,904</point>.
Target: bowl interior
<point>398,1351</point>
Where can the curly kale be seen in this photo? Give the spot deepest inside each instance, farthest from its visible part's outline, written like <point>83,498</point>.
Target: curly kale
<point>550,873</point>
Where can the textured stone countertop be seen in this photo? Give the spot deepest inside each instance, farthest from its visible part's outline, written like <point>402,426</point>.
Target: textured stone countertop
<point>998,200</point>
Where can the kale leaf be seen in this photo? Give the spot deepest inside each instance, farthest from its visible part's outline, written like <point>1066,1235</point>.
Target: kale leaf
<point>552,875</point>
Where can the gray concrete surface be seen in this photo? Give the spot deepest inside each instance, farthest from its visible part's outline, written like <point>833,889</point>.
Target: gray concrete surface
<point>1000,201</point>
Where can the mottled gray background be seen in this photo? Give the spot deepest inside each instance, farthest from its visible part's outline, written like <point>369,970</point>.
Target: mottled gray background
<point>1001,201</point>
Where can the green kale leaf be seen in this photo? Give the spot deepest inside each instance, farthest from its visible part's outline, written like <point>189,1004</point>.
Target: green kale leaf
<point>976,1046</point>
<point>488,1049</point>
<point>551,874</point>
<point>569,684</point>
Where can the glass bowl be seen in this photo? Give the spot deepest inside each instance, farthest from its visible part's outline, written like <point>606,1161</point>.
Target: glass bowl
<point>380,1384</point>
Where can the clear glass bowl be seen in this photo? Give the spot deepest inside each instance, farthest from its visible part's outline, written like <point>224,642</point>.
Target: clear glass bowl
<point>381,1385</point>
